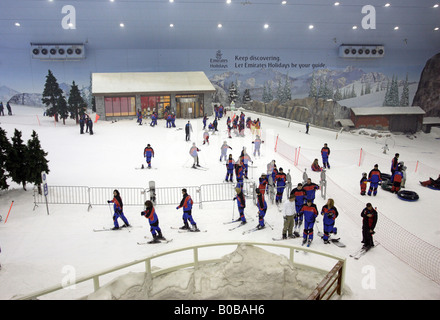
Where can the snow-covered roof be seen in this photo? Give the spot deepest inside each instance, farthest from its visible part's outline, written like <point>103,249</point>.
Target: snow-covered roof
<point>151,82</point>
<point>431,120</point>
<point>368,111</point>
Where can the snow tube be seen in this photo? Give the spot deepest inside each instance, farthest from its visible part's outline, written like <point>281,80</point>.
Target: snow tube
<point>407,195</point>
<point>430,187</point>
<point>386,185</point>
<point>385,176</point>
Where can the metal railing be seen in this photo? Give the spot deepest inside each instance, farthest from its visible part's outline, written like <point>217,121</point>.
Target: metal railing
<point>136,196</point>
<point>196,262</point>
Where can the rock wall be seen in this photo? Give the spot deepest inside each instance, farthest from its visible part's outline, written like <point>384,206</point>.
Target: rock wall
<point>427,96</point>
<point>319,112</point>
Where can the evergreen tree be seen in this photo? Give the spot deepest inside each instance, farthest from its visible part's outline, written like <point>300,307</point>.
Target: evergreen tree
<point>287,92</point>
<point>51,95</point>
<point>5,147</point>
<point>353,93</point>
<point>328,92</point>
<point>313,92</point>
<point>280,94</point>
<point>232,93</point>
<point>63,110</point>
<point>320,89</point>
<point>394,93</point>
<point>269,92</point>
<point>75,102</point>
<point>337,95</point>
<point>386,101</point>
<point>16,162</point>
<point>36,160</point>
<point>404,99</point>
<point>246,96</point>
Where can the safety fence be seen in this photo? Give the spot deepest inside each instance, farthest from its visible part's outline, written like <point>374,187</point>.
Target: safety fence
<point>136,196</point>
<point>420,255</point>
<point>196,262</point>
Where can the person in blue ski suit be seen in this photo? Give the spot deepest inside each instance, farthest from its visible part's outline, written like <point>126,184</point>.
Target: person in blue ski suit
<point>330,213</point>
<point>309,212</point>
<point>310,189</point>
<point>239,174</point>
<point>148,154</point>
<point>241,204</point>
<point>262,208</point>
<point>230,164</point>
<point>118,209</point>
<point>153,119</point>
<point>280,179</point>
<point>374,178</point>
<point>186,203</point>
<point>325,153</point>
<point>150,214</point>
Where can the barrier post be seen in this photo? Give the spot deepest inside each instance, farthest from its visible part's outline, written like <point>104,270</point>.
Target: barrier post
<point>360,158</point>
<point>276,143</point>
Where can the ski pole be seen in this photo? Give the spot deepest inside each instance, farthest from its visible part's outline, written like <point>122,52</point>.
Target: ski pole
<point>233,209</point>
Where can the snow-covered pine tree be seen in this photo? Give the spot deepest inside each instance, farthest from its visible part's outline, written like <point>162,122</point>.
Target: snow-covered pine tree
<point>394,93</point>
<point>313,91</point>
<point>51,95</point>
<point>404,98</point>
<point>75,102</point>
<point>5,146</point>
<point>232,93</point>
<point>36,160</point>
<point>337,96</point>
<point>16,163</point>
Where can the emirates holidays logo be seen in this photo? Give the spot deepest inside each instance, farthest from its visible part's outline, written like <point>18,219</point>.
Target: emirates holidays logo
<point>218,62</point>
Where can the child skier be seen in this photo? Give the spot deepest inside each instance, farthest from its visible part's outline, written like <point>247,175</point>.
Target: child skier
<point>310,189</point>
<point>257,143</point>
<point>186,203</point>
<point>194,153</point>
<point>330,213</point>
<point>241,204</point>
<point>148,153</point>
<point>150,214</point>
<point>206,137</point>
<point>118,207</point>
<point>364,182</point>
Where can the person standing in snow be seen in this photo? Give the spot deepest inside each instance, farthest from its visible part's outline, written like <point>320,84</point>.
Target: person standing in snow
<point>241,204</point>
<point>363,183</point>
<point>118,209</point>
<point>369,221</point>
<point>194,153</point>
<point>280,180</point>
<point>330,214</point>
<point>325,153</point>
<point>224,149</point>
<point>206,137</point>
<point>394,163</point>
<point>257,143</point>
<point>262,208</point>
<point>188,130</point>
<point>186,203</point>
<point>310,212</point>
<point>148,154</point>
<point>374,177</point>
<point>230,164</point>
<point>150,214</point>
<point>289,213</point>
<point>310,189</point>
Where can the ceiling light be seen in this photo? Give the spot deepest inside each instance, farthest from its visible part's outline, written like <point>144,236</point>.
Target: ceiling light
<point>171,25</point>
<point>387,5</point>
<point>266,26</point>
<point>337,3</point>
<point>311,26</point>
<point>354,27</point>
<point>435,6</point>
<point>228,1</point>
<point>396,28</point>
<point>122,25</point>
<point>17,24</point>
<point>283,2</point>
<point>436,29</point>
<point>171,1</point>
<point>219,25</point>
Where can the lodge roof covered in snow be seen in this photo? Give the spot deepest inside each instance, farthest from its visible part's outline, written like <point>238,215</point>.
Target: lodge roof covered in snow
<point>370,111</point>
<point>150,82</point>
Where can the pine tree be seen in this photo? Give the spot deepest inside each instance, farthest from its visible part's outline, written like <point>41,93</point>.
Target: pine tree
<point>386,101</point>
<point>51,95</point>
<point>394,93</point>
<point>16,162</point>
<point>404,99</point>
<point>337,96</point>
<point>5,147</point>
<point>36,160</point>
<point>313,92</point>
<point>75,102</point>
<point>287,92</point>
<point>353,93</point>
<point>232,93</point>
<point>63,110</point>
<point>280,94</point>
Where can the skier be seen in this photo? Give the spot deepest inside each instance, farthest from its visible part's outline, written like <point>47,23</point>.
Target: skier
<point>245,157</point>
<point>300,196</point>
<point>118,208</point>
<point>263,183</point>
<point>148,153</point>
<point>230,168</point>
<point>310,189</point>
<point>262,208</point>
<point>369,221</point>
<point>188,130</point>
<point>325,153</point>
<point>139,117</point>
<point>153,119</point>
<point>289,213</point>
<point>90,125</point>
<point>81,124</point>
<point>280,179</point>
<point>186,203</point>
<point>150,214</point>
<point>205,118</point>
<point>241,204</point>
<point>206,137</point>
<point>396,179</point>
<point>194,153</point>
<point>330,213</point>
<point>224,149</point>
<point>239,173</point>
<point>374,177</point>
<point>364,182</point>
<point>309,212</point>
<point>257,143</point>
<point>307,127</point>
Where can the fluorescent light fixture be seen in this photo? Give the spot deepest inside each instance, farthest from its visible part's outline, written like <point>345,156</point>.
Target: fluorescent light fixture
<point>436,28</point>
<point>228,1</point>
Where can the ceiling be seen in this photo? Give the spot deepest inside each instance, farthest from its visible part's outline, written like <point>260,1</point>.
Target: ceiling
<point>195,24</point>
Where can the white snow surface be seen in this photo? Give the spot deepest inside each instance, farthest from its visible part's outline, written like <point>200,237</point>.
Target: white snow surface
<point>39,250</point>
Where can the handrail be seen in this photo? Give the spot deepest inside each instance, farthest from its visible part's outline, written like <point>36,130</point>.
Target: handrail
<point>195,263</point>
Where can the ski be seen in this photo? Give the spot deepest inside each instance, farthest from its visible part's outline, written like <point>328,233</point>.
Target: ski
<point>240,225</point>
<point>359,253</point>
<point>111,229</point>
<point>151,242</point>
<point>187,230</point>
<point>233,221</point>
<point>254,229</point>
<point>283,239</point>
<point>337,243</point>
<point>146,168</point>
